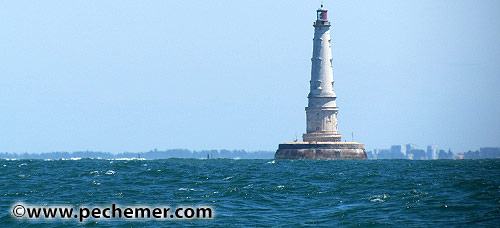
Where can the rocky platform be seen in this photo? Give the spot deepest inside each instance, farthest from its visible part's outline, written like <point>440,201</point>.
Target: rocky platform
<point>321,150</point>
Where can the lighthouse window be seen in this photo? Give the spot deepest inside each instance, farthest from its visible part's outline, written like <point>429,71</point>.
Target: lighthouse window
<point>322,15</point>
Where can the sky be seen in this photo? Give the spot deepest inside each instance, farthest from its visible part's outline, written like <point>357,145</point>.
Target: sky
<point>128,76</point>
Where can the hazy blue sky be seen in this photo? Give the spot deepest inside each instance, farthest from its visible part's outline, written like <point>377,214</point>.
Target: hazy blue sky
<point>136,75</point>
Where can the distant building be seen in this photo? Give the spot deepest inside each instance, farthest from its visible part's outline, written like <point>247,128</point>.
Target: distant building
<point>445,155</point>
<point>396,149</point>
<point>432,152</point>
<point>409,151</point>
<point>489,152</point>
<point>370,155</point>
<point>384,154</point>
<point>483,153</point>
<point>417,154</point>
<point>409,148</point>
<point>393,153</point>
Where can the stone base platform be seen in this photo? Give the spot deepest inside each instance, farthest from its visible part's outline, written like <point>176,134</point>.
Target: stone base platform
<point>321,150</point>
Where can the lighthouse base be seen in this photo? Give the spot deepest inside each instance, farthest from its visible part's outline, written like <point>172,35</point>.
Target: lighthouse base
<point>321,150</point>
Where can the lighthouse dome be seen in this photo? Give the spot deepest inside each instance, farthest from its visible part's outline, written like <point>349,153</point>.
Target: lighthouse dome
<point>322,9</point>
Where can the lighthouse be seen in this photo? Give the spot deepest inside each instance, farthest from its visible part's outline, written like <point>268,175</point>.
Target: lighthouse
<point>321,111</point>
<point>322,139</point>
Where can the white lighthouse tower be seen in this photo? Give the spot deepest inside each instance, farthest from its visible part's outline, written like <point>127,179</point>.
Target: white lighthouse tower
<point>321,112</point>
<point>321,140</point>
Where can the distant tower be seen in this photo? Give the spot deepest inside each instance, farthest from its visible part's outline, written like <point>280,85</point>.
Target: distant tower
<point>321,140</point>
<point>321,111</point>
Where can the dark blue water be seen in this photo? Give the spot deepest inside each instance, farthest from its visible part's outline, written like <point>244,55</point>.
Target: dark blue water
<point>376,193</point>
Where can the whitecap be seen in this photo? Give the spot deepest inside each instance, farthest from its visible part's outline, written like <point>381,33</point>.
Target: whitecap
<point>379,198</point>
<point>271,162</point>
<point>227,178</point>
<point>127,159</point>
<point>122,159</point>
<point>110,172</point>
<point>248,186</point>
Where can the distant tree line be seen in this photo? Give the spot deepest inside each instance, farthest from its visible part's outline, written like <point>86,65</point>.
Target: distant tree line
<point>152,154</point>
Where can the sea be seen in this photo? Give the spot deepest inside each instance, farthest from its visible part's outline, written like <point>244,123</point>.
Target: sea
<point>260,193</point>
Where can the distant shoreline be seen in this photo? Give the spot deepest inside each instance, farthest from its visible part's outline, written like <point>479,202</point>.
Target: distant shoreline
<point>483,153</point>
<point>150,155</point>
